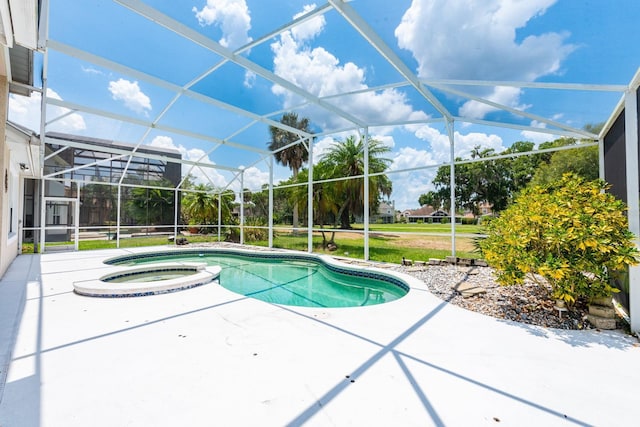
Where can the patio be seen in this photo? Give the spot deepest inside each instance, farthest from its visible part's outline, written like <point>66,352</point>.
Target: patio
<point>206,356</point>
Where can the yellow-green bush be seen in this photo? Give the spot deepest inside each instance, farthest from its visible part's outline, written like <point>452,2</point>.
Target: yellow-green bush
<point>571,233</point>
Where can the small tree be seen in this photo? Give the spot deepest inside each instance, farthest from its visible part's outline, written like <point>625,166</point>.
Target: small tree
<point>152,206</point>
<point>572,233</point>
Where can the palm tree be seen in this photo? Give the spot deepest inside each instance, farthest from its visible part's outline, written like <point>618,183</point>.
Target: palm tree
<point>324,198</point>
<point>294,156</point>
<point>201,205</point>
<point>347,159</point>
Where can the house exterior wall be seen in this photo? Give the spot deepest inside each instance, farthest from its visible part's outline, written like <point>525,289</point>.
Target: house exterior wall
<point>615,173</point>
<point>9,200</point>
<point>615,169</point>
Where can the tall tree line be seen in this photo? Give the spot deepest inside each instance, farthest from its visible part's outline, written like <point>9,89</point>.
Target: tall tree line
<point>498,181</point>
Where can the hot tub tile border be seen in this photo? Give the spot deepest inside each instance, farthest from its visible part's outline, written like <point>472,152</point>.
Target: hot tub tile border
<point>147,293</point>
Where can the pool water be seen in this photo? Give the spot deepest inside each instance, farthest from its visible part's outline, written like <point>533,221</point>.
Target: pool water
<point>295,282</point>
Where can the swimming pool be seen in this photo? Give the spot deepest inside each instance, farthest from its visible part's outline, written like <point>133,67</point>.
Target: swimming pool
<point>288,279</point>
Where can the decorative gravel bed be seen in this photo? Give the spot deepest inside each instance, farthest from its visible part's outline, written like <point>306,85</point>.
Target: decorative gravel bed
<point>528,303</point>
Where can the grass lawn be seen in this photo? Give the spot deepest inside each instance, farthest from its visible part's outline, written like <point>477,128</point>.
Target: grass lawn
<point>382,247</point>
<point>422,228</point>
<point>86,245</point>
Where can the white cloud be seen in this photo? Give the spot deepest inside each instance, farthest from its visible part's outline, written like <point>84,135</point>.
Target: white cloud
<point>385,140</point>
<point>26,112</point>
<point>463,143</point>
<point>508,96</point>
<point>255,178</point>
<point>409,157</point>
<point>233,18</point>
<point>249,79</point>
<point>162,141</point>
<point>320,73</point>
<point>308,29</point>
<point>538,137</point>
<point>130,93</point>
<point>91,70</point>
<point>408,186</point>
<point>467,39</point>
<point>204,175</point>
<point>321,147</point>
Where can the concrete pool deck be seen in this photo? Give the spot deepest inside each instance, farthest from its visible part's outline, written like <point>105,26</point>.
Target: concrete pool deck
<point>206,356</point>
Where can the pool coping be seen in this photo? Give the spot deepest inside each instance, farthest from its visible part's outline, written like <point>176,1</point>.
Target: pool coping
<point>102,287</point>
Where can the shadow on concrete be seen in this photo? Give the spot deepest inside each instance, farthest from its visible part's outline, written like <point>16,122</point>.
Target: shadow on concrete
<point>616,339</point>
<point>134,327</point>
<point>390,348</point>
<point>20,399</point>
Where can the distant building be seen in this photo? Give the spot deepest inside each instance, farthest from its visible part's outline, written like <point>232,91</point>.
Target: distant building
<point>484,209</point>
<point>93,168</point>
<point>386,213</point>
<point>425,213</point>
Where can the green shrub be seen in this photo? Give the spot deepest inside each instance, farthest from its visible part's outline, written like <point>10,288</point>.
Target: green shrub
<point>254,230</point>
<point>571,233</point>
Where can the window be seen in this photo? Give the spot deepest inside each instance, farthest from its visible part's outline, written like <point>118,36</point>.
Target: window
<point>55,215</point>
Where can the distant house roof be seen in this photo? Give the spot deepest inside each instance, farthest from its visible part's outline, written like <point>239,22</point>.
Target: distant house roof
<point>385,208</point>
<point>425,210</point>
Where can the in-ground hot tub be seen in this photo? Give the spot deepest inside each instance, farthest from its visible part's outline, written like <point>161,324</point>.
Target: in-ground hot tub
<point>151,279</point>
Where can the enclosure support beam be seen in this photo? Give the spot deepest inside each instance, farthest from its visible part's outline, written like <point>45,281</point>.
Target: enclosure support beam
<point>366,193</point>
<point>219,214</point>
<point>270,202</point>
<point>76,222</point>
<point>310,200</point>
<point>38,218</point>
<point>43,124</point>
<point>118,217</point>
<point>601,158</point>
<point>633,199</point>
<point>175,216</point>
<point>452,184</point>
<point>242,207</point>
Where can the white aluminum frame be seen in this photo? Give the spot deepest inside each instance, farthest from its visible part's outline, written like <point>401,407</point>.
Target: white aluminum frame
<point>328,103</point>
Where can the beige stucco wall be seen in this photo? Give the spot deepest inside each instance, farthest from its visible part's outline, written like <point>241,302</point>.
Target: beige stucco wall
<point>8,245</point>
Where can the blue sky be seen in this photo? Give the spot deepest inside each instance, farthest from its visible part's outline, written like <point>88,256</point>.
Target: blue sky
<point>561,41</point>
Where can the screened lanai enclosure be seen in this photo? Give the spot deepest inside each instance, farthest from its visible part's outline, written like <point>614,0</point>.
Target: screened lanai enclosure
<point>176,123</point>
